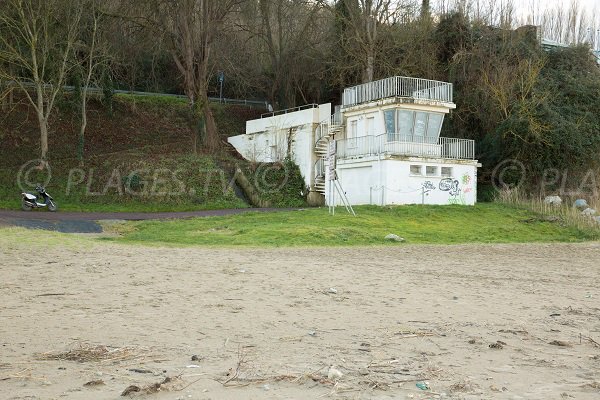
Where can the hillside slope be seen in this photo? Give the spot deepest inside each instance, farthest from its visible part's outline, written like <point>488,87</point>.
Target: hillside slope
<point>138,155</point>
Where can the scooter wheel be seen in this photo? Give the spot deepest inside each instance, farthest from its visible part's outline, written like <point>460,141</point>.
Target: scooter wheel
<point>25,206</point>
<point>52,207</point>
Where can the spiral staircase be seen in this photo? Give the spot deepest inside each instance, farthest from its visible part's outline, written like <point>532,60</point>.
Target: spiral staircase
<point>326,132</point>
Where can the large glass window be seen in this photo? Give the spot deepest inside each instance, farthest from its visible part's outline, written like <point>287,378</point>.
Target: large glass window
<point>420,124</point>
<point>390,121</point>
<point>434,125</point>
<point>405,124</point>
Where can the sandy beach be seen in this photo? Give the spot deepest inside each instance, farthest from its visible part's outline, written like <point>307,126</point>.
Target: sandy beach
<point>93,320</point>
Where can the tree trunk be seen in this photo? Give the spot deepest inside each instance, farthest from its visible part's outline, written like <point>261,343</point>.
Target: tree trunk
<point>43,122</point>
<point>212,141</point>
<point>425,10</point>
<point>369,70</point>
<point>81,142</point>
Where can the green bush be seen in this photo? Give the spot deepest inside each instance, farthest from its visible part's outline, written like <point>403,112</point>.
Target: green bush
<point>277,184</point>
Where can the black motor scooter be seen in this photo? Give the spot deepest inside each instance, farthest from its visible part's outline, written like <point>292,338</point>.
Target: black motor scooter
<point>30,201</point>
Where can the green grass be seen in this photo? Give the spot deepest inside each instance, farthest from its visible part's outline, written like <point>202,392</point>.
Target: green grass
<point>198,184</point>
<point>146,136</point>
<point>484,223</point>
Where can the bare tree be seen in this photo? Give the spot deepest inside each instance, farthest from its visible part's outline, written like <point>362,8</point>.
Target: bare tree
<point>285,35</point>
<point>189,29</point>
<point>36,42</point>
<point>94,55</point>
<point>363,20</point>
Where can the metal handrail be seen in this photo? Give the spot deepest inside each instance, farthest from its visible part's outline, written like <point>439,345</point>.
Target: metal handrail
<point>320,168</point>
<point>97,90</point>
<point>398,86</point>
<point>408,145</point>
<point>289,110</point>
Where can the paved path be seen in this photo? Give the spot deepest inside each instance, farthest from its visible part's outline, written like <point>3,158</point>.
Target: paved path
<point>85,222</point>
<point>128,216</point>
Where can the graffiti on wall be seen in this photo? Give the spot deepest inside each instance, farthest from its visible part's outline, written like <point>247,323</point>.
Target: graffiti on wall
<point>452,186</point>
<point>428,186</point>
<point>457,189</point>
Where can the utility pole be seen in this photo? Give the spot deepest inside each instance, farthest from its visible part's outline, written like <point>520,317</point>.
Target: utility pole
<point>221,76</point>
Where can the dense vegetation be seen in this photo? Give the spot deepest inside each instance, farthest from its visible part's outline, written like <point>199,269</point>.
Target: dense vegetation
<point>515,99</point>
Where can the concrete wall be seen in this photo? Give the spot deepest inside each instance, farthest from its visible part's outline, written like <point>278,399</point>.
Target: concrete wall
<point>390,181</point>
<point>268,139</point>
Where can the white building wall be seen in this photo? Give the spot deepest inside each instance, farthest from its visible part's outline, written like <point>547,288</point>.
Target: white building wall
<point>266,139</point>
<point>390,182</point>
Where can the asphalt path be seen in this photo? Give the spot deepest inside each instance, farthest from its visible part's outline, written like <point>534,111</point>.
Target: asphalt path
<point>87,222</point>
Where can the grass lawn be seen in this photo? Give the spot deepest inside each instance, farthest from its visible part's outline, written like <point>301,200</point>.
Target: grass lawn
<point>73,204</point>
<point>484,223</point>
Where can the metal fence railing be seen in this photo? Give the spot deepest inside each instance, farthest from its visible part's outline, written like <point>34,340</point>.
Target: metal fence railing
<point>289,110</point>
<point>398,86</point>
<point>406,145</point>
<point>96,90</point>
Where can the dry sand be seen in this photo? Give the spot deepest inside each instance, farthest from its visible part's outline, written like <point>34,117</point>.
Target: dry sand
<point>265,324</point>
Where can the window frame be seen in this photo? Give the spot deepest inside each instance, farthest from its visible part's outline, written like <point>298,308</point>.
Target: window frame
<point>412,173</point>
<point>435,170</point>
<point>446,175</point>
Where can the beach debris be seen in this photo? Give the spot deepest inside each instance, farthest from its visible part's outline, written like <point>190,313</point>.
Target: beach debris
<point>394,238</point>
<point>98,382</point>
<point>590,212</point>
<point>463,386</point>
<point>498,345</point>
<point>153,388</point>
<point>312,333</point>
<point>422,385</point>
<point>334,373</point>
<point>195,358</point>
<point>559,343</point>
<point>131,389</point>
<point>192,366</point>
<point>266,387</point>
<point>140,371</point>
<point>332,290</point>
<point>86,352</point>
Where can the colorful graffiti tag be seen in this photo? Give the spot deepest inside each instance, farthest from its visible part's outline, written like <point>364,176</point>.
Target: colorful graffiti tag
<point>466,179</point>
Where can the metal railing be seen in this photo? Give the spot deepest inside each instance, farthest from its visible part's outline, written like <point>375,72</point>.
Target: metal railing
<point>336,119</point>
<point>398,86</point>
<point>407,145</point>
<point>323,128</point>
<point>96,90</point>
<point>320,169</point>
<point>289,110</point>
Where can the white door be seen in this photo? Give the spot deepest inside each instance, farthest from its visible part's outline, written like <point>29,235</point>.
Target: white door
<point>356,183</point>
